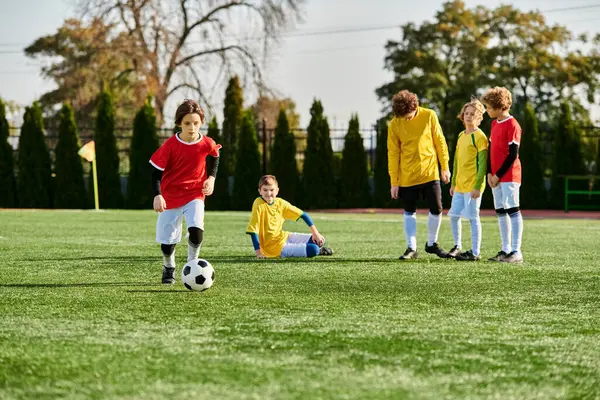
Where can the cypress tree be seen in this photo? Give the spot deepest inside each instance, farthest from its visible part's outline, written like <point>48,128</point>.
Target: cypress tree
<point>144,143</point>
<point>354,171</point>
<point>318,182</point>
<point>568,159</point>
<point>70,188</point>
<point>533,191</point>
<point>381,176</point>
<point>232,113</point>
<point>247,169</point>
<point>107,157</point>
<point>8,183</point>
<point>283,159</point>
<point>34,182</point>
<point>220,199</point>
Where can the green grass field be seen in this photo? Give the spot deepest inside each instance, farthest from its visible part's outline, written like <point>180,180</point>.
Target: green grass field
<point>83,314</point>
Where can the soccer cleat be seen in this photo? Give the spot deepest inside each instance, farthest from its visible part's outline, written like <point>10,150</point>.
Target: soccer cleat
<point>168,276</point>
<point>513,257</point>
<point>468,256</point>
<point>437,250</point>
<point>409,254</point>
<point>325,251</point>
<point>498,257</point>
<point>455,251</point>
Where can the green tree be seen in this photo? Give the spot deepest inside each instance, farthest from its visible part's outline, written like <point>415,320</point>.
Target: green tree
<point>144,143</point>
<point>464,50</point>
<point>533,190</point>
<point>107,158</point>
<point>79,56</point>
<point>381,177</point>
<point>70,188</point>
<point>354,177</point>
<point>34,182</point>
<point>567,155</point>
<point>318,181</point>
<point>247,168</point>
<point>8,183</point>
<point>220,199</point>
<point>283,159</point>
<point>232,113</point>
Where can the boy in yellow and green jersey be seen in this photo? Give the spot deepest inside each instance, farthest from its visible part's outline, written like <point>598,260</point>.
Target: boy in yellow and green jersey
<point>416,151</point>
<point>468,180</point>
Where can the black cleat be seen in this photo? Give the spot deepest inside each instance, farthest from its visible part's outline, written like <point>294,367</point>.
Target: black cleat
<point>513,257</point>
<point>437,250</point>
<point>454,252</point>
<point>409,254</point>
<point>498,257</point>
<point>468,256</point>
<point>168,276</point>
<point>325,251</point>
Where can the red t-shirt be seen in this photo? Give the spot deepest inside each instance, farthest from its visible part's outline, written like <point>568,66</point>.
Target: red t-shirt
<point>503,134</point>
<point>184,168</point>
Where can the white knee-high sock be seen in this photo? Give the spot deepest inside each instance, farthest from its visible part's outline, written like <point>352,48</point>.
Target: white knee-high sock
<point>516,223</point>
<point>410,229</point>
<point>476,236</point>
<point>504,225</point>
<point>193,250</point>
<point>433,228</point>
<point>456,226</point>
<point>169,261</point>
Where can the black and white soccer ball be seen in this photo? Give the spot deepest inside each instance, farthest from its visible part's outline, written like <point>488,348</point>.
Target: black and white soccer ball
<point>198,275</point>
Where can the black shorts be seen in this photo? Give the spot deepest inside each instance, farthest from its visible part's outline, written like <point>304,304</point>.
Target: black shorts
<point>431,192</point>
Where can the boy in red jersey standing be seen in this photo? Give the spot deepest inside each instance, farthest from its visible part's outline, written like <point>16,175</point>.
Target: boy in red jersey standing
<point>185,167</point>
<point>504,173</point>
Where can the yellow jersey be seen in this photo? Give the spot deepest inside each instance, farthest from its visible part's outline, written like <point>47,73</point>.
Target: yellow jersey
<point>470,162</point>
<point>415,148</point>
<point>267,221</point>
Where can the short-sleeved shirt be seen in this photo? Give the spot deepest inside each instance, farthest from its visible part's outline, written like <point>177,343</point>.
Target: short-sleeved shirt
<point>468,147</point>
<point>184,168</point>
<point>503,134</point>
<point>267,221</point>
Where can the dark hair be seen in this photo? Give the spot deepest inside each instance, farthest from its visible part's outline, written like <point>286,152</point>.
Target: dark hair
<point>404,102</point>
<point>267,180</point>
<point>188,107</point>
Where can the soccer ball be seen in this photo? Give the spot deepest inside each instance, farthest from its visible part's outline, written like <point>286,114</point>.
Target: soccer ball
<point>198,275</point>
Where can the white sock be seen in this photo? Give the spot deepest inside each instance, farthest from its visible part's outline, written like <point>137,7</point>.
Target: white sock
<point>476,236</point>
<point>516,223</point>
<point>456,226</point>
<point>169,261</point>
<point>193,250</point>
<point>433,228</point>
<point>410,229</point>
<point>504,225</point>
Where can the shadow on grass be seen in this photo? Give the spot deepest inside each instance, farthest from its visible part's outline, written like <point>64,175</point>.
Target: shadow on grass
<point>159,291</point>
<point>116,259</point>
<point>322,259</point>
<point>71,285</point>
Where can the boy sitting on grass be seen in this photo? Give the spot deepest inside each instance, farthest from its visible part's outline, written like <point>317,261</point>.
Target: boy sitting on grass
<point>266,226</point>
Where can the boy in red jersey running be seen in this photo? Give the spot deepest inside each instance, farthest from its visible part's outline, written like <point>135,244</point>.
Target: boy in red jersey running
<point>185,167</point>
<point>504,173</point>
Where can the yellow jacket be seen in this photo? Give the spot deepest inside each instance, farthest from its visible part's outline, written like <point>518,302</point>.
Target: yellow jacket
<point>415,148</point>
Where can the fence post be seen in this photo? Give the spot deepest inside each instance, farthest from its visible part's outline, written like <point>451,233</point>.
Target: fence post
<point>265,145</point>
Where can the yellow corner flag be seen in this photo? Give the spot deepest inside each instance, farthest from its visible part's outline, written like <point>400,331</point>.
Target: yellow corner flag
<point>88,151</point>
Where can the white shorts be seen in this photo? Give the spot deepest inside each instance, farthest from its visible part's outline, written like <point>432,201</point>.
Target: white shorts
<point>506,195</point>
<point>168,225</point>
<point>295,245</point>
<point>464,206</point>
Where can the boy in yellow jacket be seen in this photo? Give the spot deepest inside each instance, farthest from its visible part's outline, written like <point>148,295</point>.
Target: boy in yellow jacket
<point>416,151</point>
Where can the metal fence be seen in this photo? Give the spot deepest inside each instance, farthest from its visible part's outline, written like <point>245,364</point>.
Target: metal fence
<point>265,138</point>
